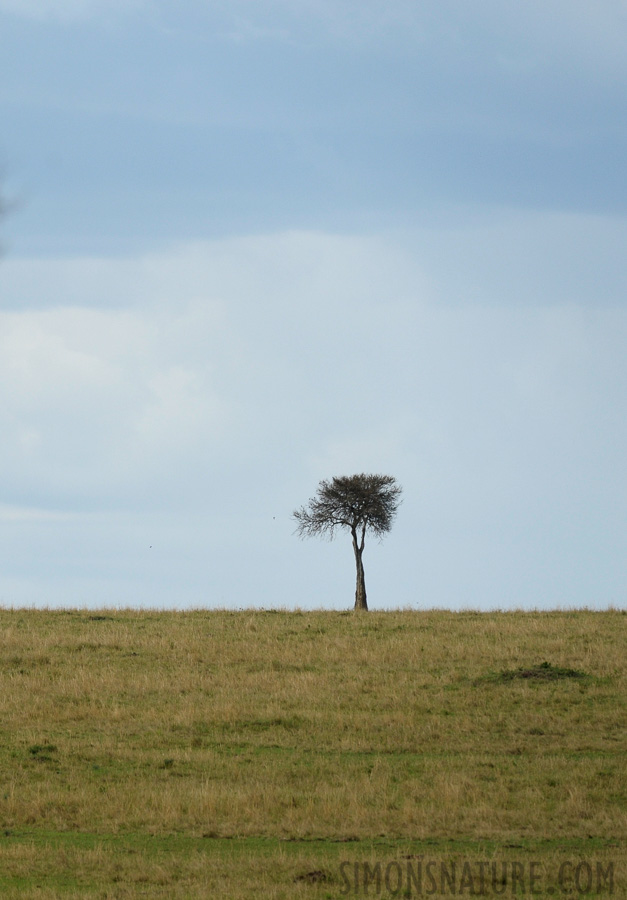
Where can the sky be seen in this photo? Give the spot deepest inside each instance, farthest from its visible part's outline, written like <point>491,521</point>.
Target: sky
<point>254,244</point>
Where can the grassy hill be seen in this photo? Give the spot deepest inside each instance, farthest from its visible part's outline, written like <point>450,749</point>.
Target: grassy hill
<point>312,754</point>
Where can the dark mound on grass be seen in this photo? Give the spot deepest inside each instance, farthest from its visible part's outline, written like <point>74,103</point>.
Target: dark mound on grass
<point>313,877</point>
<point>543,672</point>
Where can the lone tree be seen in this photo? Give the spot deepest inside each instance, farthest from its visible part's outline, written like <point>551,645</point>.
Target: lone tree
<point>359,503</point>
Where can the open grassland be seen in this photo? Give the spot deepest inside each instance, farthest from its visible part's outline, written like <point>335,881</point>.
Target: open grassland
<point>283,754</point>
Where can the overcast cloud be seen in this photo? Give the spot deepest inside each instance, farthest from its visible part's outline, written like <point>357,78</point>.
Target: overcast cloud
<point>259,244</point>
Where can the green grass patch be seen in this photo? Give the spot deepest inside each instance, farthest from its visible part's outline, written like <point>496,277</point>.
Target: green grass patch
<point>245,754</point>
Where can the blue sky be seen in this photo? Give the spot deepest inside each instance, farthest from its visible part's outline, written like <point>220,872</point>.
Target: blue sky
<point>257,244</point>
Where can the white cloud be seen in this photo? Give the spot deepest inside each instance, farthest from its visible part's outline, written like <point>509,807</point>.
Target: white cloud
<point>195,410</point>
<point>68,10</point>
<point>30,514</point>
<point>122,380</point>
<point>518,35</point>
<point>98,404</point>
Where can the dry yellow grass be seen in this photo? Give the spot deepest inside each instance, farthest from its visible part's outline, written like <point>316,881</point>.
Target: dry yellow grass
<point>230,751</point>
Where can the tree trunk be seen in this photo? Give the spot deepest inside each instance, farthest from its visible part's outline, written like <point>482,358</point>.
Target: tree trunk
<point>360,589</point>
